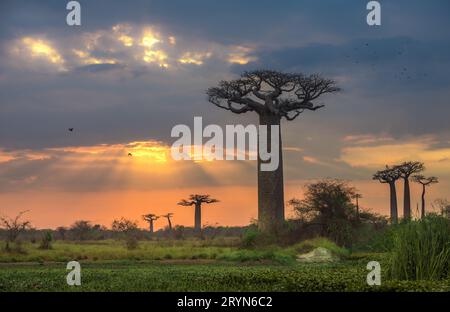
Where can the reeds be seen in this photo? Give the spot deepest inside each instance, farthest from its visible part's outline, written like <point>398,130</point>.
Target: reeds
<point>421,250</point>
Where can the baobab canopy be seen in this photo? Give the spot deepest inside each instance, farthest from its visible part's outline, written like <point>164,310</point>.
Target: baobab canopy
<point>271,92</point>
<point>272,95</point>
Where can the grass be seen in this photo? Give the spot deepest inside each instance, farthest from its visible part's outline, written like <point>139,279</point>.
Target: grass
<point>195,265</point>
<point>421,250</point>
<point>165,250</point>
<point>114,250</point>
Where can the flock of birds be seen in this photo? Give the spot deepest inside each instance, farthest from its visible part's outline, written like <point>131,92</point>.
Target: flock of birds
<point>363,52</point>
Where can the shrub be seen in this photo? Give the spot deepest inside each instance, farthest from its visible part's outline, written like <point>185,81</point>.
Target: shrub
<point>255,238</point>
<point>14,247</point>
<point>421,250</point>
<point>46,241</point>
<point>131,242</point>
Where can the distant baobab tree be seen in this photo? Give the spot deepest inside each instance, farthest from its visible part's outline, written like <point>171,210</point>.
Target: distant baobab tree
<point>197,200</point>
<point>150,218</point>
<point>390,176</point>
<point>168,216</point>
<point>406,170</point>
<point>424,181</point>
<point>272,95</point>
<point>357,196</point>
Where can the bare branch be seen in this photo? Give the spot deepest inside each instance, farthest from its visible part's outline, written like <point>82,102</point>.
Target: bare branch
<point>283,94</point>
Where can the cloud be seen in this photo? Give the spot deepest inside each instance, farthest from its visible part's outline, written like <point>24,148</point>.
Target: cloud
<point>366,139</point>
<point>35,51</point>
<point>131,45</point>
<point>377,156</point>
<point>140,165</point>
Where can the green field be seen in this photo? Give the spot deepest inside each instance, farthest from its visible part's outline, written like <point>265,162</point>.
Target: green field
<point>189,266</point>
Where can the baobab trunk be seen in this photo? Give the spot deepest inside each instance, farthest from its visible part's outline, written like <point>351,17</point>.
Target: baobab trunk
<point>198,217</point>
<point>151,227</point>
<point>357,208</point>
<point>394,212</point>
<point>406,201</point>
<point>423,201</point>
<point>170,225</point>
<point>270,183</point>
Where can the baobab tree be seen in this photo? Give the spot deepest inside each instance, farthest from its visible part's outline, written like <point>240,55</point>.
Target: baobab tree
<point>272,95</point>
<point>406,170</point>
<point>424,181</point>
<point>197,200</point>
<point>357,196</point>
<point>150,218</point>
<point>168,216</point>
<point>390,176</point>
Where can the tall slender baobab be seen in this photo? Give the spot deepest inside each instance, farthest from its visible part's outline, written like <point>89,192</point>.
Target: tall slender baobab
<point>272,95</point>
<point>406,170</point>
<point>150,218</point>
<point>424,181</point>
<point>357,196</point>
<point>168,216</point>
<point>390,176</point>
<point>197,200</point>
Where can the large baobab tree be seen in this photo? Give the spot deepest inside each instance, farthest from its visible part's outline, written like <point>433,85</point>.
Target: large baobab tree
<point>424,181</point>
<point>168,216</point>
<point>406,170</point>
<point>272,95</point>
<point>390,176</point>
<point>197,200</point>
<point>150,218</point>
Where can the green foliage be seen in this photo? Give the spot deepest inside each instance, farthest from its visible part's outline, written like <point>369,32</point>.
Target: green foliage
<point>107,250</point>
<point>14,248</point>
<point>178,232</point>
<point>421,250</point>
<point>151,276</point>
<point>253,238</point>
<point>328,206</point>
<point>131,242</point>
<point>371,239</point>
<point>46,241</point>
<point>268,254</point>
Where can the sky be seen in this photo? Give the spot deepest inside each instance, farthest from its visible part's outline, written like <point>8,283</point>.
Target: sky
<point>135,69</point>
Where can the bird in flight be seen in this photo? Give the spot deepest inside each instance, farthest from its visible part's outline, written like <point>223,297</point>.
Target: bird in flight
<point>70,129</point>
<point>129,154</point>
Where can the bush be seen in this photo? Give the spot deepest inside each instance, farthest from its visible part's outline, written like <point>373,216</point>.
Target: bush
<point>421,250</point>
<point>14,247</point>
<point>253,238</point>
<point>46,241</point>
<point>131,242</point>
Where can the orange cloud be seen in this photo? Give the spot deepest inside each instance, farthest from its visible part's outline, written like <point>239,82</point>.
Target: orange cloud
<point>387,154</point>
